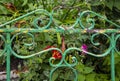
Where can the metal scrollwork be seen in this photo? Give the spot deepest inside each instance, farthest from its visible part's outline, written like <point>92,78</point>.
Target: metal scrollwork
<point>97,43</point>
<point>40,11</point>
<point>91,21</point>
<point>112,37</point>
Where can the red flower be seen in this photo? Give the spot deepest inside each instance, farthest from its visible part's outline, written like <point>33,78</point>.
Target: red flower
<point>56,54</point>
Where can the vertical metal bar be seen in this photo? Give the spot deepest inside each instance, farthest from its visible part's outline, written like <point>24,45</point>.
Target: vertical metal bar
<point>112,66</point>
<point>8,57</point>
<point>112,58</point>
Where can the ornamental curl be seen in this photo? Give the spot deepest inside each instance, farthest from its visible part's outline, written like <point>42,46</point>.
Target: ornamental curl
<point>24,43</point>
<point>97,43</point>
<point>35,22</point>
<point>62,66</point>
<point>91,21</point>
<point>4,50</point>
<point>115,43</point>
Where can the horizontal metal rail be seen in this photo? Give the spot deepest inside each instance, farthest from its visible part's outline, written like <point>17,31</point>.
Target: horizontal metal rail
<point>58,30</point>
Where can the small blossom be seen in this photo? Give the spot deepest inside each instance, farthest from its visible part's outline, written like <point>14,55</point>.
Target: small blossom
<point>55,54</point>
<point>84,48</point>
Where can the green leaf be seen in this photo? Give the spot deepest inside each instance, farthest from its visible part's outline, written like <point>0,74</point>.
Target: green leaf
<point>80,67</point>
<point>31,6</point>
<point>69,75</point>
<point>57,21</point>
<point>117,4</point>
<point>95,2</point>
<point>102,77</point>
<point>54,76</point>
<point>3,10</point>
<point>109,3</point>
<point>46,73</point>
<point>117,79</point>
<point>25,2</point>
<point>81,77</point>
<point>69,21</point>
<point>59,38</point>
<point>47,37</point>
<point>90,77</point>
<point>88,70</point>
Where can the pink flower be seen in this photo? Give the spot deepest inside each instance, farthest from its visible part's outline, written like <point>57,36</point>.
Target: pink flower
<point>84,48</point>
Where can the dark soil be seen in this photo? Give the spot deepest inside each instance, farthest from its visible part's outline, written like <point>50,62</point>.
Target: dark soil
<point>13,64</point>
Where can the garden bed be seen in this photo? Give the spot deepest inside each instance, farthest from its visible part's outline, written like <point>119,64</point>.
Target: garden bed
<point>17,67</point>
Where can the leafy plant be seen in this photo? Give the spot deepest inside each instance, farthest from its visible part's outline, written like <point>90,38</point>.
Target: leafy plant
<point>64,14</point>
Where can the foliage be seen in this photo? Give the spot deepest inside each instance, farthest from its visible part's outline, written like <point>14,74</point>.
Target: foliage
<point>65,14</point>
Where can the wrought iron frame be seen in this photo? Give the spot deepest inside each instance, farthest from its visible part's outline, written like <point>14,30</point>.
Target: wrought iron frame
<point>113,37</point>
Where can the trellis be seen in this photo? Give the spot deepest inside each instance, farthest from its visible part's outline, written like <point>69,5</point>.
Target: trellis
<point>113,37</point>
